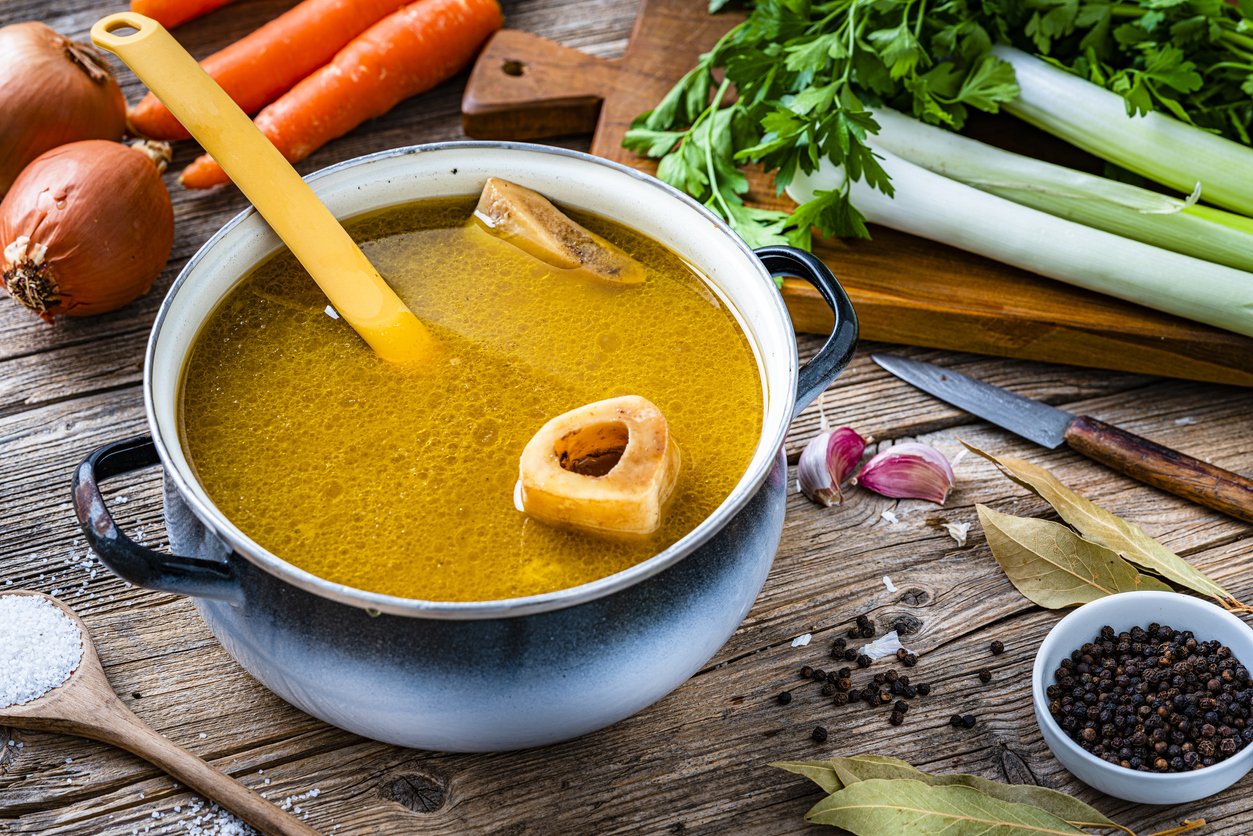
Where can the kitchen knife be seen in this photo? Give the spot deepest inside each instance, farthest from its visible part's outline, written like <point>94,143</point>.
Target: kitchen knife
<point>1125,452</point>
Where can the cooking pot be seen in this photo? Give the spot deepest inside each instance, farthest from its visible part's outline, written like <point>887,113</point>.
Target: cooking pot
<point>491,675</point>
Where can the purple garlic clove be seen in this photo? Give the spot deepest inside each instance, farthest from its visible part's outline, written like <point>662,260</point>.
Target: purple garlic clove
<point>908,471</point>
<point>826,461</point>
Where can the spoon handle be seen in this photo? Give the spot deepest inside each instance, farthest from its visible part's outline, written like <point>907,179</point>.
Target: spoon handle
<point>124,729</point>
<point>265,177</point>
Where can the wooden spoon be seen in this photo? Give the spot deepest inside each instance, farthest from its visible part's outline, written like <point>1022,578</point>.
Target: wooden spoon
<point>85,705</point>
<point>265,177</point>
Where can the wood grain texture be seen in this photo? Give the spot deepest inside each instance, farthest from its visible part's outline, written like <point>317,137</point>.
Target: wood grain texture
<point>1162,467</point>
<point>906,289</point>
<point>697,761</point>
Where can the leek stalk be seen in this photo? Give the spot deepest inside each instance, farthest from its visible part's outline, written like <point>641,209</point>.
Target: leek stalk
<point>1120,208</point>
<point>1154,145</point>
<point>933,206</point>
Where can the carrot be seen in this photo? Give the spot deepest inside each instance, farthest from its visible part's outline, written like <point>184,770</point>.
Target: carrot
<point>402,55</point>
<point>262,66</point>
<point>170,13</point>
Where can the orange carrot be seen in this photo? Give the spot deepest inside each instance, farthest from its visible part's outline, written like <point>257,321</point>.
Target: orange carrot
<point>170,13</point>
<point>400,56</point>
<point>264,65</point>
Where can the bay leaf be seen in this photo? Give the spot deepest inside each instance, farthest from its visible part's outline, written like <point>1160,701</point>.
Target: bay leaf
<point>826,774</point>
<point>1054,566</point>
<point>877,806</point>
<point>1108,529</point>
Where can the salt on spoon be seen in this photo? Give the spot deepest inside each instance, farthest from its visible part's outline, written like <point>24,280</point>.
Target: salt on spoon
<point>51,680</point>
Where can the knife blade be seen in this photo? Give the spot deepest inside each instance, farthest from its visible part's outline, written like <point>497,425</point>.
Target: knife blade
<point>1048,426</point>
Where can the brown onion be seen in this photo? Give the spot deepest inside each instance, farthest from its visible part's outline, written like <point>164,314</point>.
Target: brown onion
<point>86,227</point>
<point>52,91</point>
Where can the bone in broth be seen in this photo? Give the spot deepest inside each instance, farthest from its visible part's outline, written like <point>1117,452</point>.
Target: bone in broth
<point>402,482</point>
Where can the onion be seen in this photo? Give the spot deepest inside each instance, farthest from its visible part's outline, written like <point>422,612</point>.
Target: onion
<point>52,91</point>
<point>86,227</point>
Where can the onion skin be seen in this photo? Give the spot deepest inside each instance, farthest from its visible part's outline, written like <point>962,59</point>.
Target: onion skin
<point>52,91</point>
<point>85,229</point>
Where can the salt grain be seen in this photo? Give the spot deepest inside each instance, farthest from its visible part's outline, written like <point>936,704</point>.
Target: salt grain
<point>888,583</point>
<point>39,648</point>
<point>889,517</point>
<point>801,641</point>
<point>958,531</point>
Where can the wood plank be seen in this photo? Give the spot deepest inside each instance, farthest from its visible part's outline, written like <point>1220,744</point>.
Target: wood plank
<point>905,289</point>
<point>697,761</point>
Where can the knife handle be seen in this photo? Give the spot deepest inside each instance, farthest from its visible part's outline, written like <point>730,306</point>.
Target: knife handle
<point>1162,467</point>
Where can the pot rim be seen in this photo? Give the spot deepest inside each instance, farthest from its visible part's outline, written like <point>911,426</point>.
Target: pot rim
<point>375,602</point>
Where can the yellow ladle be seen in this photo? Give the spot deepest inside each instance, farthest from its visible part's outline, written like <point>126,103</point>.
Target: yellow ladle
<point>307,227</point>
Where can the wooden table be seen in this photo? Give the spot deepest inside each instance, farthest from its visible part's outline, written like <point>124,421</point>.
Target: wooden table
<point>696,761</point>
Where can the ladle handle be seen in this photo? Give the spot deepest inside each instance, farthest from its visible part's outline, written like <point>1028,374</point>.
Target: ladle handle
<point>265,177</point>
<point>127,559</point>
<point>120,727</point>
<point>825,366</point>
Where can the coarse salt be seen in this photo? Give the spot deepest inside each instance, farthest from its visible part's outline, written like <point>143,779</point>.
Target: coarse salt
<point>39,648</point>
<point>801,641</point>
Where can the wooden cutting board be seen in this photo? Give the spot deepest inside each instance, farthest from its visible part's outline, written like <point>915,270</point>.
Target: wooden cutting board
<point>906,289</point>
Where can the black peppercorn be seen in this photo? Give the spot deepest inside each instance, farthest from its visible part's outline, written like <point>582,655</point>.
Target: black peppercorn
<point>807,672</point>
<point>820,675</point>
<point>828,689</point>
<point>863,621</point>
<point>867,631</point>
<point>910,660</point>
<point>997,647</point>
<point>924,688</point>
<point>968,721</point>
<point>896,718</point>
<point>910,692</point>
<point>819,734</point>
<point>854,632</point>
<point>985,675</point>
<point>901,653</point>
<point>892,676</point>
<point>784,697</point>
<point>840,698</point>
<point>850,654</point>
<point>1154,699</point>
<point>863,661</point>
<point>901,706</point>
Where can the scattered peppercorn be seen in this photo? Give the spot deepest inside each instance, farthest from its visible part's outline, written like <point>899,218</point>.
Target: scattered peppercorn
<point>784,697</point>
<point>901,653</point>
<point>807,672</point>
<point>843,673</point>
<point>985,675</point>
<point>910,660</point>
<point>867,631</point>
<point>841,698</point>
<point>1154,699</point>
<point>863,621</point>
<point>863,661</point>
<point>901,706</point>
<point>854,632</point>
<point>820,675</point>
<point>828,689</point>
<point>924,688</point>
<point>892,676</point>
<point>910,692</point>
<point>896,718</point>
<point>819,734</point>
<point>850,654</point>
<point>955,721</point>
<point>997,647</point>
<point>968,721</point>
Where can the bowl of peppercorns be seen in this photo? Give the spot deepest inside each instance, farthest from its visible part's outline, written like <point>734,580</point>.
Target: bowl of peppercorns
<point>1147,696</point>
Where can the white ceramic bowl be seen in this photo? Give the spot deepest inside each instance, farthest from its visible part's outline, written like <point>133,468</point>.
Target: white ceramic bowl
<point>1122,612</point>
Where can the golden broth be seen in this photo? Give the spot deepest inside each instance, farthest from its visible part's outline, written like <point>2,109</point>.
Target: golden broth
<point>402,483</point>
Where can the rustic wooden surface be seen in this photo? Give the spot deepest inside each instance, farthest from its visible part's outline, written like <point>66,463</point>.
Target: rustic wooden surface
<point>907,289</point>
<point>694,763</point>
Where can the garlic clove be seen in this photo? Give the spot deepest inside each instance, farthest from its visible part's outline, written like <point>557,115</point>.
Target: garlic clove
<point>826,462</point>
<point>908,471</point>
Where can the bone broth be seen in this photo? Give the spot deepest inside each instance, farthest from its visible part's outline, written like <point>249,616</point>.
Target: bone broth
<point>402,481</point>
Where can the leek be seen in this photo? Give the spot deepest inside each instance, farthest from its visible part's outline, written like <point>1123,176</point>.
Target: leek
<point>1120,208</point>
<point>932,206</point>
<point>1154,145</point>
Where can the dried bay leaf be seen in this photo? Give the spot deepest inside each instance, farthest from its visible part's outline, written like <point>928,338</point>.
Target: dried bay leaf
<point>826,774</point>
<point>1109,530</point>
<point>1054,566</point>
<point>877,806</point>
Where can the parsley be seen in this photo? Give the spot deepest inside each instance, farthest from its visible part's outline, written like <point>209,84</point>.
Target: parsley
<point>795,84</point>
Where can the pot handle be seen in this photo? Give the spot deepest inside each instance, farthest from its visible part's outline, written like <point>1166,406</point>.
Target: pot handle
<point>142,566</point>
<point>825,366</point>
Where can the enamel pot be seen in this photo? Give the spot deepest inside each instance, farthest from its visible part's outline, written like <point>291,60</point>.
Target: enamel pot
<point>492,675</point>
